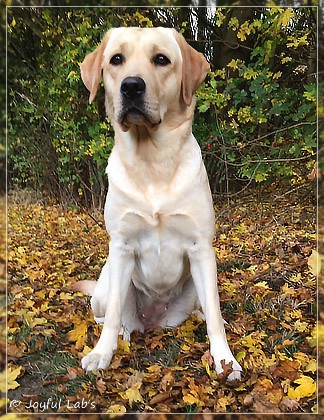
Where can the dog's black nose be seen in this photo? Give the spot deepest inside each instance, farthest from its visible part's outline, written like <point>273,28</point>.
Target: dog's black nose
<point>132,87</point>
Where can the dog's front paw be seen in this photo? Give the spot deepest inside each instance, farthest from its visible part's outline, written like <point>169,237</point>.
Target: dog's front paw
<point>95,361</point>
<point>222,356</point>
<point>237,370</point>
<point>236,374</point>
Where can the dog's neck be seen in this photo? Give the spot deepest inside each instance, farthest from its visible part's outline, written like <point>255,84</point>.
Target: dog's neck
<point>153,144</point>
<point>156,159</point>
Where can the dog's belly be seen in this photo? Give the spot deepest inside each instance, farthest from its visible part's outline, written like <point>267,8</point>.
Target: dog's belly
<point>160,269</point>
<point>160,248</point>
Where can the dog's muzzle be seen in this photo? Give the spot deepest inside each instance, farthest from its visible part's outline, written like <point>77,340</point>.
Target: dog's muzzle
<point>135,109</point>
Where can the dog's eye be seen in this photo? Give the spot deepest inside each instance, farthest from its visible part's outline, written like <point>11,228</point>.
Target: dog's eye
<point>161,60</point>
<point>116,59</point>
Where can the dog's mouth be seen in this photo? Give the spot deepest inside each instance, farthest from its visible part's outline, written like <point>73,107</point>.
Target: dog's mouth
<point>135,116</point>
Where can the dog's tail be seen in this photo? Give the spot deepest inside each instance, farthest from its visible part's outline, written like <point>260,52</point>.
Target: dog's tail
<point>85,286</point>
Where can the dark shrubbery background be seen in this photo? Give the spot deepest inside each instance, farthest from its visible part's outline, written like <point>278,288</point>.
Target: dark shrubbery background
<point>256,113</point>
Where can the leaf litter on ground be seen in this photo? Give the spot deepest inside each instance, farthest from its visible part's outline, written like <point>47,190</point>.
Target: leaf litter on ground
<point>266,272</point>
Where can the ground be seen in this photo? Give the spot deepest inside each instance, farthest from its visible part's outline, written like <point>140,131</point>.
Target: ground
<point>265,245</point>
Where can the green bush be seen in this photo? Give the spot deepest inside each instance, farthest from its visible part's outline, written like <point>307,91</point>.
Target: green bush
<point>256,113</point>
<point>262,111</point>
<point>57,141</point>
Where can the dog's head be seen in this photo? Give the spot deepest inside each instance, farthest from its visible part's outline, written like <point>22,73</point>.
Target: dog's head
<point>147,73</point>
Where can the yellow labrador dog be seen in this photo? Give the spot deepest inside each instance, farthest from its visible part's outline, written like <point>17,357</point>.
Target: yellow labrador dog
<point>159,210</point>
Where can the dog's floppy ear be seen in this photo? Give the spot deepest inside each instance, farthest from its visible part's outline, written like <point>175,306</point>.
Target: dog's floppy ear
<point>91,68</point>
<point>194,68</point>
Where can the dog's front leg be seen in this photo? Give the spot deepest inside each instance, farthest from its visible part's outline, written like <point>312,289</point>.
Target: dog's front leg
<point>204,274</point>
<point>118,271</point>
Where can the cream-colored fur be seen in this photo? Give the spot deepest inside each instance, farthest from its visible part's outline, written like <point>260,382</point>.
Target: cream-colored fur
<point>159,211</point>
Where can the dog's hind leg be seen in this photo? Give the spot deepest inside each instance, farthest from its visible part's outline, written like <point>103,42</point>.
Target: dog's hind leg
<point>130,320</point>
<point>182,305</point>
<point>100,296</point>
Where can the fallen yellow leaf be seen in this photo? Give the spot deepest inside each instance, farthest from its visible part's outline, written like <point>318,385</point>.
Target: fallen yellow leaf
<point>86,350</point>
<point>123,345</point>
<point>207,361</point>
<point>116,408</point>
<point>190,399</point>
<point>8,377</point>
<point>240,355</point>
<point>78,335</point>
<point>185,347</point>
<point>306,387</point>
<point>132,394</point>
<point>154,369</point>
<point>262,284</point>
<point>311,367</point>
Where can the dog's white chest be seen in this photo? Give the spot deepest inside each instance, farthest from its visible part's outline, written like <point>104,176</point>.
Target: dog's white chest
<point>159,243</point>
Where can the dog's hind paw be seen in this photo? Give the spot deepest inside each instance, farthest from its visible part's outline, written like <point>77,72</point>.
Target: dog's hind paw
<point>95,361</point>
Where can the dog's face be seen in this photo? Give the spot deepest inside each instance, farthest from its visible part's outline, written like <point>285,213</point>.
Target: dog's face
<point>142,75</point>
<point>147,73</point>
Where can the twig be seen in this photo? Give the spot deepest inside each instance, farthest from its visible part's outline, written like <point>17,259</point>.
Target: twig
<point>259,162</point>
<point>289,192</point>
<point>280,130</point>
<point>225,157</point>
<point>86,211</point>
<point>245,187</point>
